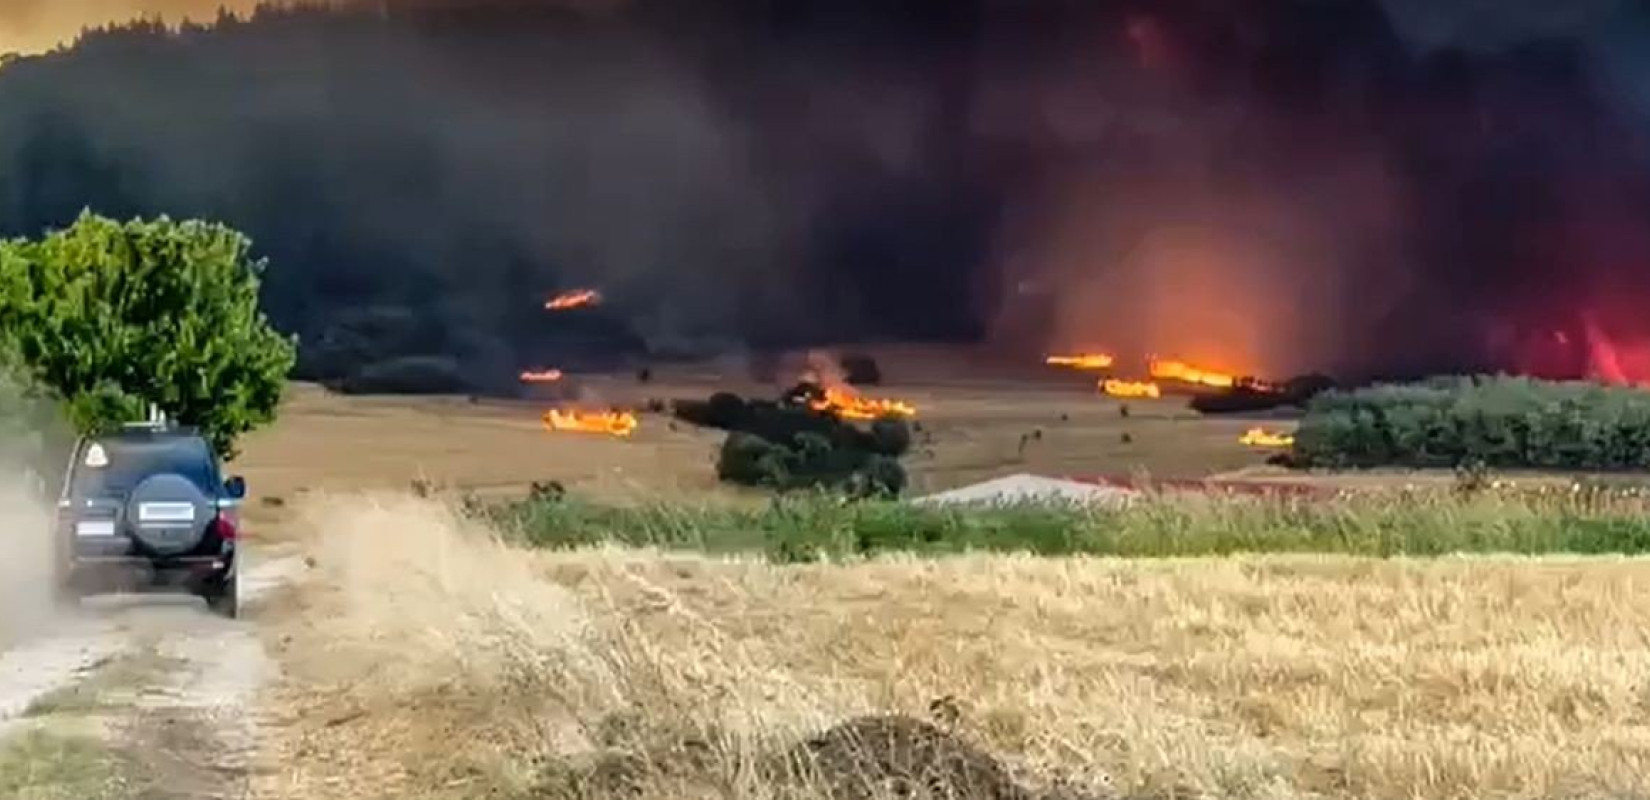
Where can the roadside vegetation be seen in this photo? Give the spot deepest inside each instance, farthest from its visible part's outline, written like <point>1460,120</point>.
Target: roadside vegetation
<point>1474,516</point>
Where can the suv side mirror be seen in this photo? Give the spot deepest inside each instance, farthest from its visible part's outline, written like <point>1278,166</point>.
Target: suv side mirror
<point>235,487</point>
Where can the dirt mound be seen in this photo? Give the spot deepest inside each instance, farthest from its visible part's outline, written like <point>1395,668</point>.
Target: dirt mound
<point>865,758</point>
<point>874,757</point>
<point>640,759</point>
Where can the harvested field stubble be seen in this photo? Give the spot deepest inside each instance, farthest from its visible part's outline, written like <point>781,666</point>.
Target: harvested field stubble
<point>475,669</point>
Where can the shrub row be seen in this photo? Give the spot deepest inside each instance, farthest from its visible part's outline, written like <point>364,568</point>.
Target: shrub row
<point>1498,421</point>
<point>804,527</point>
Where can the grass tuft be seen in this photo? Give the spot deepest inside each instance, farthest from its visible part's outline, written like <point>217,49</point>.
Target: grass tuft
<point>37,765</point>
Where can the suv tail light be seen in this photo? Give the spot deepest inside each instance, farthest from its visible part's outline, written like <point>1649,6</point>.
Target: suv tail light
<point>226,528</point>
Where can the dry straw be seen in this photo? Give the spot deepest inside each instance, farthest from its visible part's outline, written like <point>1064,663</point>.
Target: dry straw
<point>473,667</point>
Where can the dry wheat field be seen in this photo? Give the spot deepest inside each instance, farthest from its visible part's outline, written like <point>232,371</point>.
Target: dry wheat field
<point>424,658</point>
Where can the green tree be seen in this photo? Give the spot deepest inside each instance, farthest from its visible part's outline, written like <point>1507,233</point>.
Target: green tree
<point>115,315</point>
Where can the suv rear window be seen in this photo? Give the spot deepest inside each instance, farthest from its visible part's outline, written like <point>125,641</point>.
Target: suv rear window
<point>129,461</point>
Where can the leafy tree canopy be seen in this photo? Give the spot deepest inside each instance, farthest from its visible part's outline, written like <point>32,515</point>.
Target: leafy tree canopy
<point>114,315</point>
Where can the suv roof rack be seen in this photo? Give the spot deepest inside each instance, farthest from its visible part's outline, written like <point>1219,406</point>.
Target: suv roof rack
<point>156,423</point>
<point>140,431</point>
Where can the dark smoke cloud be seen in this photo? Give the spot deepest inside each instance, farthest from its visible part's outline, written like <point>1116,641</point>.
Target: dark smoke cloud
<point>1281,187</point>
<point>1361,186</point>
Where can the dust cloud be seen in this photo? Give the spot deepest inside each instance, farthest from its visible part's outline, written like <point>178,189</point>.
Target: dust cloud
<point>31,435</point>
<point>419,596</point>
<point>26,572</point>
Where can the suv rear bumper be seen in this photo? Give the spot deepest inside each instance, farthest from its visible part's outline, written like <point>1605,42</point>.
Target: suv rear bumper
<point>137,574</point>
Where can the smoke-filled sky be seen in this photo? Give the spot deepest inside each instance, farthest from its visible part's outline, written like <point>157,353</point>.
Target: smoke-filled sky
<point>28,26</point>
<point>1423,184</point>
<point>1268,185</point>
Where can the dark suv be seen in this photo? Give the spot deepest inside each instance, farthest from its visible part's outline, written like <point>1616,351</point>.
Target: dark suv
<point>146,509</point>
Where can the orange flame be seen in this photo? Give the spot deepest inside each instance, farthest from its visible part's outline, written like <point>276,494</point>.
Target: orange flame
<point>1081,361</point>
<point>1260,437</point>
<point>574,299</point>
<point>1117,388</point>
<point>848,404</point>
<point>1181,371</point>
<point>1259,385</point>
<point>612,423</point>
<point>541,376</point>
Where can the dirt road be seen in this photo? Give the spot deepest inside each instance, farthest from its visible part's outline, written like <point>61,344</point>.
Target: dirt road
<point>149,697</point>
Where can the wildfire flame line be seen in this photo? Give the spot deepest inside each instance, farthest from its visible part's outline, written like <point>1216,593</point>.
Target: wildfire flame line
<point>612,423</point>
<point>1167,370</point>
<point>574,299</point>
<point>1260,437</point>
<point>848,404</point>
<point>1093,361</point>
<point>1117,388</point>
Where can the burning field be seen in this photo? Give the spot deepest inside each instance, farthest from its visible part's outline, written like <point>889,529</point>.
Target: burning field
<point>825,385</point>
<point>824,389</point>
<point>600,673</point>
<point>1157,376</point>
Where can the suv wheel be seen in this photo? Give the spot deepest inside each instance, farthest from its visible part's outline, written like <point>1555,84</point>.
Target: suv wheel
<point>225,599</point>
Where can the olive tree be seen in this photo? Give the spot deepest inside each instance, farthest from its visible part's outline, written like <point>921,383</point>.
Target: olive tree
<point>114,315</point>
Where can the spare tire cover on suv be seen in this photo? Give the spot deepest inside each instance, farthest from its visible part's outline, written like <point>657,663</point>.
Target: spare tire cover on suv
<point>168,514</point>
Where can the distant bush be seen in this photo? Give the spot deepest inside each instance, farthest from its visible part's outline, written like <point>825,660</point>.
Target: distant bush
<point>809,459</point>
<point>788,445</point>
<point>860,369</point>
<point>891,437</point>
<point>882,476</point>
<point>1497,421</point>
<point>725,410</point>
<point>409,375</point>
<point>751,460</point>
<point>1241,400</point>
